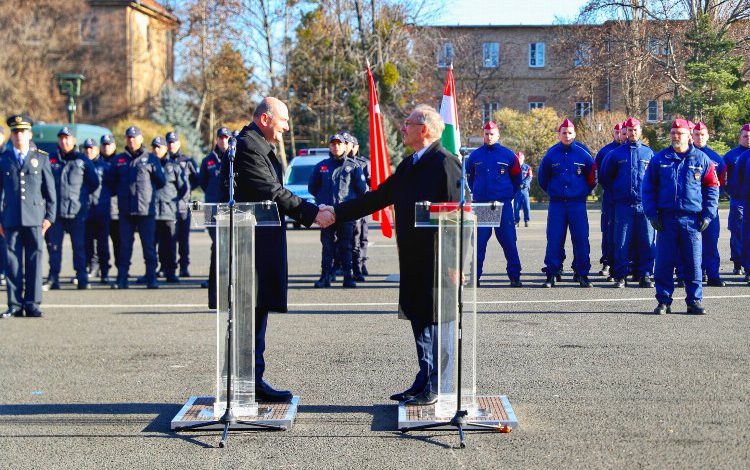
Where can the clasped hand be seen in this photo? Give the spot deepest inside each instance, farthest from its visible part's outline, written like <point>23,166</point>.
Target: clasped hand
<point>326,216</point>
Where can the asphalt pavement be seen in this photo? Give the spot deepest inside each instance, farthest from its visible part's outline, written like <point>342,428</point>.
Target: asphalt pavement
<point>595,379</point>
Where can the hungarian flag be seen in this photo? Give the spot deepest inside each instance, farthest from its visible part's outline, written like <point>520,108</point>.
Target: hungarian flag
<point>451,138</point>
<point>380,164</point>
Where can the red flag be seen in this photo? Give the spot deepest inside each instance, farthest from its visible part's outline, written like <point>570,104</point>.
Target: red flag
<point>380,164</point>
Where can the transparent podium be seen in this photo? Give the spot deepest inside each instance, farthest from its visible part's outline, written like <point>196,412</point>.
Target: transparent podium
<point>247,217</point>
<point>455,284</point>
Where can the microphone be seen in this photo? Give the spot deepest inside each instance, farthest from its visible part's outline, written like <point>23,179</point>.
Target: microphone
<point>232,149</point>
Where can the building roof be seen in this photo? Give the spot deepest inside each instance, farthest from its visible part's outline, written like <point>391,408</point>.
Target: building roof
<point>150,6</point>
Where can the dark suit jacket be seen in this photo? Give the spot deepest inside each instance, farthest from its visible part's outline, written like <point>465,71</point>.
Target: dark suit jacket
<point>27,204</point>
<point>258,177</point>
<point>436,178</point>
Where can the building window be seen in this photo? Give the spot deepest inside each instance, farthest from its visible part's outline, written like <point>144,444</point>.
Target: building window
<point>489,109</point>
<point>582,56</point>
<point>445,55</point>
<point>658,46</point>
<point>89,29</point>
<point>491,54</point>
<point>666,110</point>
<point>583,109</point>
<point>536,54</point>
<point>652,113</point>
<point>536,105</point>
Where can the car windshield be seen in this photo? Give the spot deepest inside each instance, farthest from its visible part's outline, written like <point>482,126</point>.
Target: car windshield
<point>300,174</point>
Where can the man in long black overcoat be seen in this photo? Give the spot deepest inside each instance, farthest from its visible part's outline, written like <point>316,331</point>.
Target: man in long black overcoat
<point>258,177</point>
<point>430,174</point>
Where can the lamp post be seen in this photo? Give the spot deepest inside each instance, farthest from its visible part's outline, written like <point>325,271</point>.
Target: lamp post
<point>291,93</point>
<point>69,84</point>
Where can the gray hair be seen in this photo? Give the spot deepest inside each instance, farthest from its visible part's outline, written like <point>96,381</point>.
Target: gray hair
<point>267,106</point>
<point>427,115</point>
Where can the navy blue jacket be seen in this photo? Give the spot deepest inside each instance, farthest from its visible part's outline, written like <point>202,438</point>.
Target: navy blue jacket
<point>335,180</point>
<point>78,179</point>
<point>527,174</point>
<point>732,178</point>
<point>101,199</point>
<point>599,162</point>
<point>209,175</point>
<point>681,183</point>
<point>173,191</point>
<point>137,177</point>
<point>493,173</point>
<point>57,163</point>
<point>37,201</point>
<point>721,167</point>
<point>566,173</point>
<point>190,167</point>
<point>623,170</point>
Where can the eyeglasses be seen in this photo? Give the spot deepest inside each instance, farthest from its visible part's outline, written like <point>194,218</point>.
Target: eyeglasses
<point>407,123</point>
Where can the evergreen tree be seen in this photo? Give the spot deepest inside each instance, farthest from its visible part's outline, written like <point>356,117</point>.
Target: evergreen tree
<point>175,112</point>
<point>718,95</point>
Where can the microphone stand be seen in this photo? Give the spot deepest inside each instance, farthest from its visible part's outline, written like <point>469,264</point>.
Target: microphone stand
<point>459,420</point>
<point>228,419</point>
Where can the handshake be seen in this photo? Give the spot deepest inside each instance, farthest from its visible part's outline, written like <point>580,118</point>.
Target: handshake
<point>326,216</point>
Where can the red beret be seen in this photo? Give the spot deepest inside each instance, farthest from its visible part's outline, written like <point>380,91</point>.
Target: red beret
<point>700,126</point>
<point>490,125</point>
<point>691,124</point>
<point>566,123</point>
<point>746,127</point>
<point>680,124</point>
<point>618,126</point>
<point>632,122</point>
<point>520,154</point>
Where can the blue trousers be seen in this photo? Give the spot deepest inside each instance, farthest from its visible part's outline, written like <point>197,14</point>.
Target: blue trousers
<point>337,242</point>
<point>183,239</point>
<point>24,268</point>
<point>261,324</point>
<point>633,234</point>
<point>53,239</point>
<point>736,218</point>
<point>746,244</point>
<point>521,201</point>
<point>3,255</point>
<point>97,243</point>
<point>166,236</point>
<point>608,234</point>
<point>425,338</point>
<point>146,226</point>
<point>562,215</point>
<point>710,241</point>
<point>679,243</point>
<point>76,228</point>
<point>505,233</point>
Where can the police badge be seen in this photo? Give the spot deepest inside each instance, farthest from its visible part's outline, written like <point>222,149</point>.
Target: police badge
<point>697,175</point>
<point>34,162</point>
<point>502,170</point>
<point>144,159</point>
<point>578,170</point>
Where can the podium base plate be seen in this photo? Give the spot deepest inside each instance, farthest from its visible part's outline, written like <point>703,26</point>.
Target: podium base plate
<point>494,411</point>
<point>201,410</point>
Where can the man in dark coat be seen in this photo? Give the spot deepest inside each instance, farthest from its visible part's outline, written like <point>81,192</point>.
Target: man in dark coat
<point>258,177</point>
<point>431,174</point>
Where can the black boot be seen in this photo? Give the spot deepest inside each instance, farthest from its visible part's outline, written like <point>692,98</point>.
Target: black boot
<point>662,309</point>
<point>646,282</point>
<point>696,308</point>
<point>324,281</point>
<point>583,281</point>
<point>550,282</point>
<point>349,281</point>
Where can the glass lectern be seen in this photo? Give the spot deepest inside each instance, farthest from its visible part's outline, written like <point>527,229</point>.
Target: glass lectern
<point>247,216</point>
<point>450,260</point>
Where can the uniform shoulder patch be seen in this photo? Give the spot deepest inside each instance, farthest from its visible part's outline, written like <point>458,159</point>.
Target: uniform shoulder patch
<point>42,152</point>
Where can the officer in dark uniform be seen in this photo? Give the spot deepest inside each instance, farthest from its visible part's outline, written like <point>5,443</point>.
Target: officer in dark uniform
<point>107,152</point>
<point>137,175</point>
<point>3,246</point>
<point>361,231</point>
<point>336,179</point>
<point>680,198</point>
<point>28,200</point>
<point>78,179</point>
<point>97,222</point>
<point>54,236</point>
<point>521,199</point>
<point>210,181</point>
<point>190,168</point>
<point>167,199</point>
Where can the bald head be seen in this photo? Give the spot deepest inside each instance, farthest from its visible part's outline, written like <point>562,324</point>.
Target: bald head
<point>272,118</point>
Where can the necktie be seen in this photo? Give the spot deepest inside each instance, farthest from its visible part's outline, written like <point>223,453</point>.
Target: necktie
<point>21,158</point>
<point>414,159</point>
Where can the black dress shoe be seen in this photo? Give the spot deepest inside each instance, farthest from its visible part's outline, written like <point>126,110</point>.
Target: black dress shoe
<point>120,284</point>
<point>83,286</point>
<point>423,399</point>
<point>152,284</point>
<point>364,271</point>
<point>184,273</point>
<point>662,309</point>
<point>696,309</point>
<point>646,282</point>
<point>324,281</point>
<point>737,270</point>
<point>403,396</point>
<point>12,312</point>
<point>173,279</point>
<point>265,393</point>
<point>204,285</point>
<point>516,282</point>
<point>526,223</point>
<point>604,271</point>
<point>358,277</point>
<point>620,283</point>
<point>550,282</point>
<point>576,277</point>
<point>583,281</point>
<point>717,282</point>
<point>32,311</point>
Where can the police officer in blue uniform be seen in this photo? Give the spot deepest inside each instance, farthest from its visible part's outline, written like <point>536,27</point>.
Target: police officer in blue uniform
<point>736,201</point>
<point>742,191</point>
<point>28,200</point>
<point>3,246</point>
<point>54,236</point>
<point>361,230</point>
<point>336,179</point>
<point>622,176</point>
<point>190,168</point>
<point>710,236</point>
<point>137,175</point>
<point>607,215</point>
<point>494,174</point>
<point>680,198</point>
<point>521,199</point>
<point>566,174</point>
<point>209,179</point>
<point>78,179</point>
<point>97,222</point>
<point>167,200</point>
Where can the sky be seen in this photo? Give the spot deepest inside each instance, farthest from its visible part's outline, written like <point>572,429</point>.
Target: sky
<point>499,12</point>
